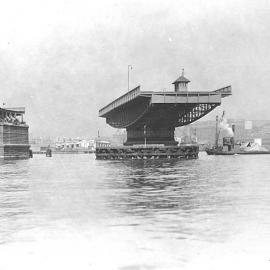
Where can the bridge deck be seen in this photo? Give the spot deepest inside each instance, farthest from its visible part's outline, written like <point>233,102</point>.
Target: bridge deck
<point>194,97</point>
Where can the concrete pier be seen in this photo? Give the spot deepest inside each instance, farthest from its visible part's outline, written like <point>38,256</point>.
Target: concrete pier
<point>14,141</point>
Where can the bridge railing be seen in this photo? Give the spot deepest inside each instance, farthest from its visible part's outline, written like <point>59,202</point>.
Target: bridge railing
<point>120,101</point>
<point>17,110</point>
<point>225,91</point>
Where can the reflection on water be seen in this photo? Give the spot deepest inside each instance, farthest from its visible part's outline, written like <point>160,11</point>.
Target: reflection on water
<point>138,214</point>
<point>170,197</point>
<point>13,196</point>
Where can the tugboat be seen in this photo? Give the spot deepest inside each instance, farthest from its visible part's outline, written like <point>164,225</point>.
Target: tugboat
<point>229,146</point>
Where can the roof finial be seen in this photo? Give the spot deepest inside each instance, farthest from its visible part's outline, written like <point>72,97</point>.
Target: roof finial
<point>183,71</point>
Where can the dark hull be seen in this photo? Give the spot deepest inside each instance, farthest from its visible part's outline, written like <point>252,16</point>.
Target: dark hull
<point>230,153</point>
<point>219,153</point>
<point>254,153</point>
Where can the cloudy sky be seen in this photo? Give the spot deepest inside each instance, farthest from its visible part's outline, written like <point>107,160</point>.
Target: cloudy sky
<point>64,60</point>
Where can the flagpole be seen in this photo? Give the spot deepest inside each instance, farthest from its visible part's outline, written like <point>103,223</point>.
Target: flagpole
<point>129,68</point>
<point>144,131</point>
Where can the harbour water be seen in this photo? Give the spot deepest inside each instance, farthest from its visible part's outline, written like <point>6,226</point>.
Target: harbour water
<point>75,212</point>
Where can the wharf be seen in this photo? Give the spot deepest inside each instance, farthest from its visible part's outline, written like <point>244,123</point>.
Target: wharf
<point>148,152</point>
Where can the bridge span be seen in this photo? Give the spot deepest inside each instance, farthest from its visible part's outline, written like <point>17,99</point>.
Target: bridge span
<point>151,117</point>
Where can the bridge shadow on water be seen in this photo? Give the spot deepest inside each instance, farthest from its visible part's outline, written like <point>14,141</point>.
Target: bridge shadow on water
<point>160,191</point>
<point>178,197</point>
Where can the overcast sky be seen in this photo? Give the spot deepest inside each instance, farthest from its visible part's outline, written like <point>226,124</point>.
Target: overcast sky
<point>64,60</point>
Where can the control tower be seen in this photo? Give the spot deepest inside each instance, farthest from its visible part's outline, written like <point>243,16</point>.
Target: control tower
<point>150,118</point>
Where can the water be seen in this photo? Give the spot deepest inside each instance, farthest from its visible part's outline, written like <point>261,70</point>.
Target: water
<point>75,212</point>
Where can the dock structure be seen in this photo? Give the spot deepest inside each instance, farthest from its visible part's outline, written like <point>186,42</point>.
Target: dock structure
<point>14,141</point>
<point>150,118</point>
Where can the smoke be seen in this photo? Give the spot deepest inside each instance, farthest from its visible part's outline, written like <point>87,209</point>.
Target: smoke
<point>225,126</point>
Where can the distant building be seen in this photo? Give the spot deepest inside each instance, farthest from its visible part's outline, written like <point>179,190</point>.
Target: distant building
<point>76,144</point>
<point>102,144</point>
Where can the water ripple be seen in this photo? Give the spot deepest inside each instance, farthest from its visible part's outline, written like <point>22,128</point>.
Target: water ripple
<point>162,203</point>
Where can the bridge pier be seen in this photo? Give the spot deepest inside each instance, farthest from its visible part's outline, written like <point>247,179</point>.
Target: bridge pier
<point>145,134</point>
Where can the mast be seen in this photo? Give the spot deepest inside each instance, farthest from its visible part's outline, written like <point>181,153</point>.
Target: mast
<point>218,129</point>
<point>217,133</point>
